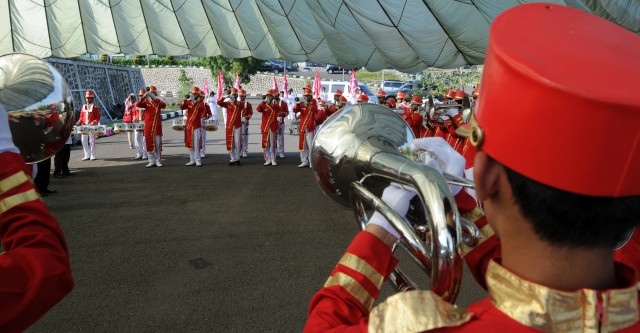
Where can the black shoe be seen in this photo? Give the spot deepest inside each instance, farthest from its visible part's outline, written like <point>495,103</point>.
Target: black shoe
<point>68,174</point>
<point>237,163</point>
<point>48,191</point>
<point>232,163</point>
<point>57,175</point>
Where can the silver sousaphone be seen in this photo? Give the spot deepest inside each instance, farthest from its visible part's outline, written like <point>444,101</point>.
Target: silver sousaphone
<point>38,103</point>
<point>358,152</point>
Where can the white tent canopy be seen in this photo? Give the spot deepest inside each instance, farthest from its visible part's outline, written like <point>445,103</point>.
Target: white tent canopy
<point>408,35</point>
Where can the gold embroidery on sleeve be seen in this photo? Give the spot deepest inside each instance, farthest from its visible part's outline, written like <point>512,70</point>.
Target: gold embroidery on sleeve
<point>352,287</point>
<point>12,181</point>
<point>359,265</point>
<point>17,199</point>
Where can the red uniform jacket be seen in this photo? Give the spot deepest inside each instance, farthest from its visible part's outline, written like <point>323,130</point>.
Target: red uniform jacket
<point>269,120</point>
<point>331,109</point>
<point>321,116</point>
<point>307,120</point>
<point>152,121</point>
<point>195,111</point>
<point>247,111</point>
<point>89,115</point>
<point>284,111</point>
<point>34,271</point>
<point>234,111</point>
<point>128,113</point>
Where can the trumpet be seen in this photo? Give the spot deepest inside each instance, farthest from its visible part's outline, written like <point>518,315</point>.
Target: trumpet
<point>363,148</point>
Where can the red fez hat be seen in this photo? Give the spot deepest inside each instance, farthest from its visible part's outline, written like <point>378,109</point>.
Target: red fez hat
<point>307,92</point>
<point>363,98</point>
<point>243,92</point>
<point>459,95</point>
<point>400,95</point>
<point>153,89</point>
<point>391,102</point>
<point>338,92</point>
<point>343,99</point>
<point>476,91</point>
<point>195,90</point>
<point>381,93</point>
<point>450,93</point>
<point>269,92</point>
<point>234,91</point>
<point>307,86</point>
<point>88,94</point>
<point>416,100</point>
<point>533,139</point>
<point>142,92</point>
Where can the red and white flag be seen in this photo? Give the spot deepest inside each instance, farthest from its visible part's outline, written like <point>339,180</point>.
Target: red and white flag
<point>317,85</point>
<point>237,86</point>
<point>205,88</point>
<point>275,84</point>
<point>220,84</point>
<point>285,85</point>
<point>353,83</point>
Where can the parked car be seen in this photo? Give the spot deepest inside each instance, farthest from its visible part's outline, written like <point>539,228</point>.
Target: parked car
<point>291,66</point>
<point>331,69</point>
<point>391,87</point>
<point>271,66</point>
<point>409,86</point>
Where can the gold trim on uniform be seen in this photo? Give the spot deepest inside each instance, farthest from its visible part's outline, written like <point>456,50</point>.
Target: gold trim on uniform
<point>354,262</point>
<point>17,199</point>
<point>12,181</point>
<point>415,311</point>
<point>352,287</point>
<point>549,310</point>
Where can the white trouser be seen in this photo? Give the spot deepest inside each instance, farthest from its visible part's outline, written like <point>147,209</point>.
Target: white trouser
<point>194,154</point>
<point>203,139</point>
<point>270,152</point>
<point>158,143</point>
<point>141,145</point>
<point>291,115</point>
<point>89,145</point>
<point>224,116</point>
<point>131,137</point>
<point>280,138</point>
<point>304,154</point>
<point>245,138</point>
<point>236,147</point>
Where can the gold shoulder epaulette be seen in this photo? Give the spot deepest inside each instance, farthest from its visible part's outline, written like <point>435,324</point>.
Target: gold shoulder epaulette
<point>415,311</point>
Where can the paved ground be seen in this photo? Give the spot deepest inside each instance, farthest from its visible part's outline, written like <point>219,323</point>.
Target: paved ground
<point>186,249</point>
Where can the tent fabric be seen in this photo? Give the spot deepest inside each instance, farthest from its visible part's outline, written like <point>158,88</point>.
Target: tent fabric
<point>408,35</point>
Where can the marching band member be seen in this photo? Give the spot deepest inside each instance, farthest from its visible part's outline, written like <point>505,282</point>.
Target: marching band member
<point>363,98</point>
<point>203,133</point>
<point>141,146</point>
<point>128,118</point>
<point>414,118</point>
<point>306,112</point>
<point>382,95</point>
<point>321,116</point>
<point>247,113</point>
<point>557,223</point>
<point>35,273</point>
<point>233,126</point>
<point>401,102</point>
<point>269,127</point>
<point>213,106</point>
<point>333,108</point>
<point>194,111</point>
<point>291,101</point>
<point>390,103</point>
<point>284,107</point>
<point>89,115</point>
<point>150,107</point>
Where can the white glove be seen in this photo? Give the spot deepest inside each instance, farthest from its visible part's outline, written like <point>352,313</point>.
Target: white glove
<point>451,112</point>
<point>6,141</point>
<point>397,197</point>
<point>442,157</point>
<point>297,114</point>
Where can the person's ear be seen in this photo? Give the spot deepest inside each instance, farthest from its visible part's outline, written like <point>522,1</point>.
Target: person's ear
<point>486,175</point>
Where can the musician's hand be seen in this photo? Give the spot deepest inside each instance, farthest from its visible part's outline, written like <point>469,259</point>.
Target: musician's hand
<point>6,141</point>
<point>442,157</point>
<point>397,197</point>
<point>297,115</point>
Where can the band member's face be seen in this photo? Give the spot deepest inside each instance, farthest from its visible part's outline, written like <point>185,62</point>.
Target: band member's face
<point>380,100</point>
<point>269,98</point>
<point>234,97</point>
<point>89,100</point>
<point>242,97</point>
<point>308,97</point>
<point>336,98</point>
<point>414,107</point>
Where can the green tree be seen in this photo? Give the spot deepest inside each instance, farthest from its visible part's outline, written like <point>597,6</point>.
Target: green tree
<point>245,67</point>
<point>185,83</point>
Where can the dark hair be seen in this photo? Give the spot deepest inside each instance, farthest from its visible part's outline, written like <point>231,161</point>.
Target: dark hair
<point>573,220</point>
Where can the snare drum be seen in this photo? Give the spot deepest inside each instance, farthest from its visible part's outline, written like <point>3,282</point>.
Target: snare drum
<point>100,130</point>
<point>77,130</point>
<point>120,127</point>
<point>210,125</point>
<point>139,127</point>
<point>129,127</point>
<point>177,124</point>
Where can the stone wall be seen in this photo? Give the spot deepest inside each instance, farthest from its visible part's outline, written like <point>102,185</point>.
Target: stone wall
<point>111,83</point>
<point>166,80</point>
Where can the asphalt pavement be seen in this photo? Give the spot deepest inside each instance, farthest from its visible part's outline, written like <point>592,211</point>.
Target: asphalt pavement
<point>196,249</point>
